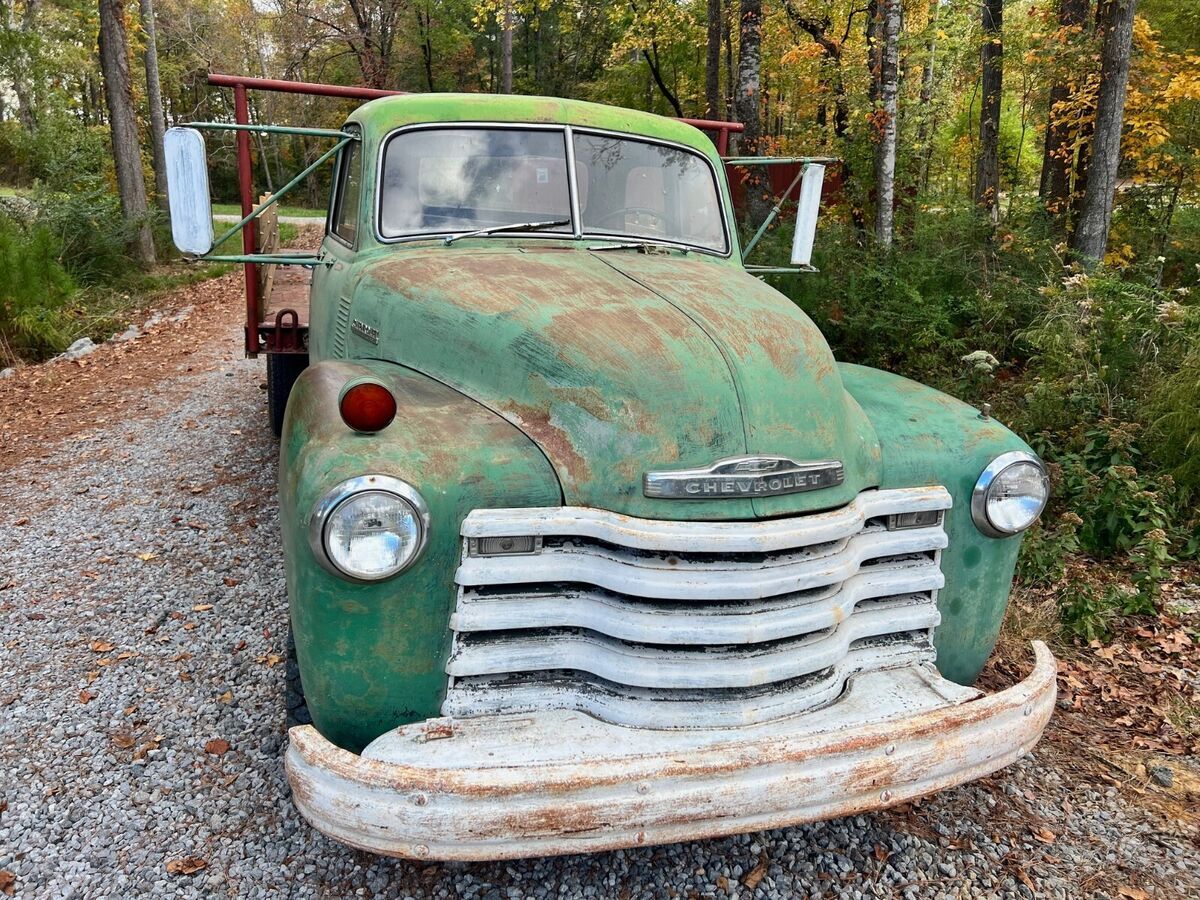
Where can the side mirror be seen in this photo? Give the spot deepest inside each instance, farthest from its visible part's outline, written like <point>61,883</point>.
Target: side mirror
<point>806,214</point>
<point>187,190</point>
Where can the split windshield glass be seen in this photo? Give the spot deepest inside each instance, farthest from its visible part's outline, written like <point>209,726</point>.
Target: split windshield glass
<point>440,181</point>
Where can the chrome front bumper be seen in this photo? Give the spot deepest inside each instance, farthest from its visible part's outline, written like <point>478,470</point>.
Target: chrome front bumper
<point>558,781</point>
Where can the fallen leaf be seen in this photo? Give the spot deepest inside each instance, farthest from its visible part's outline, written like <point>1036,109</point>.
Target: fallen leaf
<point>102,646</point>
<point>1045,835</point>
<point>24,520</point>
<point>273,660</point>
<point>217,747</point>
<point>202,607</point>
<point>1133,893</point>
<point>123,740</point>
<point>8,883</point>
<point>146,557</point>
<point>86,696</point>
<point>1024,878</point>
<point>880,853</point>
<point>226,697</point>
<point>755,875</point>
<point>230,582</point>
<point>189,865</point>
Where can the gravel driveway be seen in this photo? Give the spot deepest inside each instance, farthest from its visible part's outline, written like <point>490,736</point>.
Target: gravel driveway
<point>141,706</point>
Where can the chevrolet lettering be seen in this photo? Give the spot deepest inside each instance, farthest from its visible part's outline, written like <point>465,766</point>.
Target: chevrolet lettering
<point>755,476</point>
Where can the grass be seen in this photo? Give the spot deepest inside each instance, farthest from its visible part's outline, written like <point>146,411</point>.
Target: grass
<point>234,209</point>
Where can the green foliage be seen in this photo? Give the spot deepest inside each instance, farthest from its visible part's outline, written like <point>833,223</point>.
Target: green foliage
<point>35,291</point>
<point>1088,610</point>
<point>91,231</point>
<point>1045,550</point>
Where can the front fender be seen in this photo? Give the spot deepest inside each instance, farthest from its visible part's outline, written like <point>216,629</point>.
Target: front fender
<point>928,437</point>
<point>372,656</point>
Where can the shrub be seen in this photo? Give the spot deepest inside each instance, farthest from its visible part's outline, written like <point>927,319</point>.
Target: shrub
<point>90,230</point>
<point>35,291</point>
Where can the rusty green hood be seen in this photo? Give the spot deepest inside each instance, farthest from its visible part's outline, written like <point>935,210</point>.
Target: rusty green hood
<point>617,362</point>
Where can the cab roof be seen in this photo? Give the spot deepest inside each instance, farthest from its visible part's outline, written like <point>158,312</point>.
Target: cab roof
<point>378,117</point>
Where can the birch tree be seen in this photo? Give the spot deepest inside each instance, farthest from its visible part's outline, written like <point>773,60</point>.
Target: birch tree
<point>746,101</point>
<point>118,93</point>
<point>885,121</point>
<point>1095,216</point>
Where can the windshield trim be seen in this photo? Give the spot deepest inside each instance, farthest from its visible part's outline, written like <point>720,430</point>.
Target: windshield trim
<point>577,233</point>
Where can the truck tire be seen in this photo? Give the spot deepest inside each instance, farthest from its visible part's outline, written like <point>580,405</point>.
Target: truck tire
<point>282,371</point>
<point>296,712</point>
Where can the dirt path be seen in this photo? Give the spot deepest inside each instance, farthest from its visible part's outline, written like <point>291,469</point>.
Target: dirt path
<point>141,706</point>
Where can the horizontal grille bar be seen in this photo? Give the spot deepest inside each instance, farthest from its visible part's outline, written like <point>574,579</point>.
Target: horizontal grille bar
<point>702,623</point>
<point>708,667</point>
<point>657,577</point>
<point>659,708</point>
<point>705,537</point>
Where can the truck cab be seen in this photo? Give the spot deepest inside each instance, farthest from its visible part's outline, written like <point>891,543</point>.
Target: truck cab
<point>590,540</point>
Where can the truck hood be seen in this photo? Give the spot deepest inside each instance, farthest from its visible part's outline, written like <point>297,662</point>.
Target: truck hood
<point>619,362</point>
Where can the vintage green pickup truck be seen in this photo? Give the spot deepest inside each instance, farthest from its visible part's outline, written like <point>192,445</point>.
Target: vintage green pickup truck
<point>590,541</point>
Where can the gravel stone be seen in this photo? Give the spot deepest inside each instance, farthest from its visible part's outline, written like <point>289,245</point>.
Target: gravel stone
<point>106,788</point>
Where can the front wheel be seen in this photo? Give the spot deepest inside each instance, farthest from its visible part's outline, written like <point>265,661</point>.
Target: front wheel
<point>282,371</point>
<point>296,711</point>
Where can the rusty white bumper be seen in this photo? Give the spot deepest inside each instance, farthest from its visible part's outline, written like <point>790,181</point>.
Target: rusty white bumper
<point>508,786</point>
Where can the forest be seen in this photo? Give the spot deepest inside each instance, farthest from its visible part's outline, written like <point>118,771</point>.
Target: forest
<point>1014,219</point>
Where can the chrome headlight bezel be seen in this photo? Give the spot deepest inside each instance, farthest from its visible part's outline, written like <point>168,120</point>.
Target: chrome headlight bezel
<point>318,525</point>
<point>980,495</point>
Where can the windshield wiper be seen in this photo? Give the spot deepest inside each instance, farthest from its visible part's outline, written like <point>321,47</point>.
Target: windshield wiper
<point>497,229</point>
<point>640,246</point>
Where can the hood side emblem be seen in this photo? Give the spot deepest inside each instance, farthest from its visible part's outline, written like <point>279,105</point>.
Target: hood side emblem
<point>744,476</point>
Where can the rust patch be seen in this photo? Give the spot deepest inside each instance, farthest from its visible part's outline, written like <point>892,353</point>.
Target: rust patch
<point>535,422</point>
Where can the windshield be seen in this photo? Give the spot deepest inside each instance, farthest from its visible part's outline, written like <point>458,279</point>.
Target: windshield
<point>444,180</point>
<point>439,181</point>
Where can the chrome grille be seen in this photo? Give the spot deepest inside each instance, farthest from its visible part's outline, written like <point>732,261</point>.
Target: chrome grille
<point>677,624</point>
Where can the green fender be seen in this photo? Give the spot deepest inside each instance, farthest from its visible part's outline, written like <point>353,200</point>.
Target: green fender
<point>372,656</point>
<point>927,437</point>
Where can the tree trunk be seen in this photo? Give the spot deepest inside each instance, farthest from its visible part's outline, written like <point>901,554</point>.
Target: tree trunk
<point>154,102</point>
<point>926,129</point>
<point>712,62</point>
<point>746,102</point>
<point>875,28</point>
<point>885,123</point>
<point>1091,233</point>
<point>23,64</point>
<point>987,169</point>
<point>114,65</point>
<point>727,34</point>
<point>1055,186</point>
<point>506,50</point>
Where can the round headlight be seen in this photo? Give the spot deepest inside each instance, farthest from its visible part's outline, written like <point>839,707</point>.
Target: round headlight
<point>1010,494</point>
<point>369,528</point>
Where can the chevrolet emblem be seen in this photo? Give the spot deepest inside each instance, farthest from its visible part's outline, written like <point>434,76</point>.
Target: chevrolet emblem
<point>744,476</point>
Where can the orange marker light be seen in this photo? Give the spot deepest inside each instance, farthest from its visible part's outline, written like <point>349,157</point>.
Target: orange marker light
<point>367,406</point>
